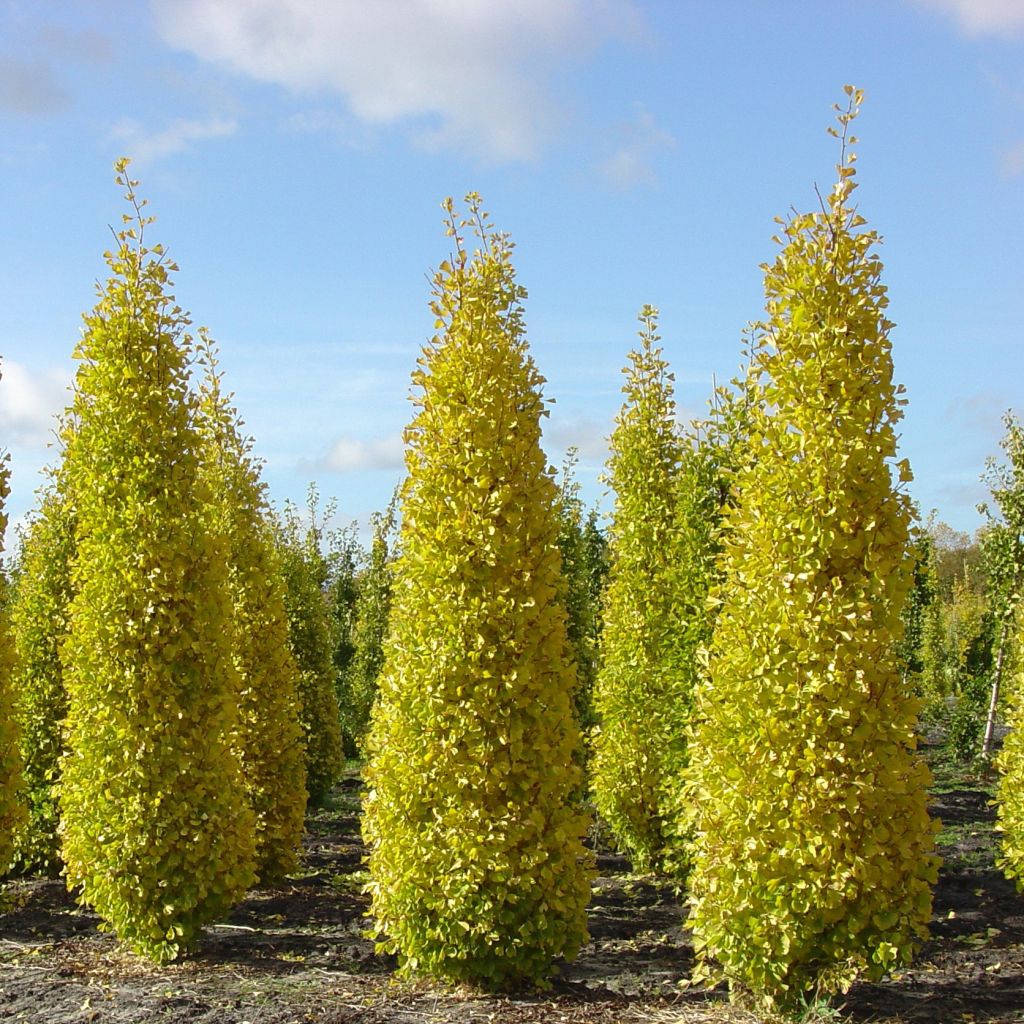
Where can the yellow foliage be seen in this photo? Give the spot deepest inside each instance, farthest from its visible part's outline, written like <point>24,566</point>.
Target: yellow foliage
<point>477,867</point>
<point>813,850</point>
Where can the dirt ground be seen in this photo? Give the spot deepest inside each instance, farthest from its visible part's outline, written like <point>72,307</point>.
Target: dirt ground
<point>296,953</point>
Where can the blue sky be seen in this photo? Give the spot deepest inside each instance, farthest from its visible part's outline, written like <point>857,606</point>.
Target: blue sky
<point>295,153</point>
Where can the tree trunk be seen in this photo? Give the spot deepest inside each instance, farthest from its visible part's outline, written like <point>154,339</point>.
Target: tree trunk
<point>990,724</point>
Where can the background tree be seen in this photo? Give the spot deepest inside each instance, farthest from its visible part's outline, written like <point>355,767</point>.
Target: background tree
<point>269,739</point>
<point>12,810</point>
<point>645,683</point>
<point>1003,552</point>
<point>39,619</point>
<point>346,565</point>
<point>157,832</point>
<point>584,551</point>
<point>311,639</point>
<point>477,867</point>
<point>812,849</point>
<point>370,624</point>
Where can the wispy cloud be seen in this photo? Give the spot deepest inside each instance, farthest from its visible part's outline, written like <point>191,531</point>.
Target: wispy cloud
<point>348,454</point>
<point>1012,161</point>
<point>78,46</point>
<point>30,87</point>
<point>632,163</point>
<point>982,17</point>
<point>470,74</point>
<point>148,147</point>
<point>30,402</point>
<point>586,435</point>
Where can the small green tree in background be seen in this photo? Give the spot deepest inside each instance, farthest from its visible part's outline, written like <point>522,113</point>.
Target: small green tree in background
<point>1004,549</point>
<point>157,833</point>
<point>12,809</point>
<point>645,683</point>
<point>39,620</point>
<point>372,608</point>
<point>1003,555</point>
<point>478,872</point>
<point>812,842</point>
<point>269,738</point>
<point>918,607</point>
<point>584,551</point>
<point>346,562</point>
<point>305,571</point>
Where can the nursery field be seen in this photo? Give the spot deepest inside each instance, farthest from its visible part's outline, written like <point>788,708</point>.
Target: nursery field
<point>297,953</point>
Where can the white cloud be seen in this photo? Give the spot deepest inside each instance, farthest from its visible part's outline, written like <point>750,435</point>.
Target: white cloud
<point>1012,161</point>
<point>587,436</point>
<point>30,88</point>
<point>979,17</point>
<point>146,147</point>
<point>472,73</point>
<point>632,163</point>
<point>29,404</point>
<point>348,454</point>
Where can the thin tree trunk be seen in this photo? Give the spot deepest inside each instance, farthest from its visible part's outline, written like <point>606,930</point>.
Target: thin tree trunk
<point>990,724</point>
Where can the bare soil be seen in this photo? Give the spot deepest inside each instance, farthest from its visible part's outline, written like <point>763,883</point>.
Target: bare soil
<point>297,953</point>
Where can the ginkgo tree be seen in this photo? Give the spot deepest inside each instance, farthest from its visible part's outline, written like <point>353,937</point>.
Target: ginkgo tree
<point>39,616</point>
<point>645,682</point>
<point>12,810</point>
<point>477,867</point>
<point>157,833</point>
<point>812,842</point>
<point>269,740</point>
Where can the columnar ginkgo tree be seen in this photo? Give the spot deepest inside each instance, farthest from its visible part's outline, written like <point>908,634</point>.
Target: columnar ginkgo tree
<point>39,612</point>
<point>477,867</point>
<point>645,683</point>
<point>311,641</point>
<point>157,832</point>
<point>1005,543</point>
<point>370,614</point>
<point>12,810</point>
<point>269,738</point>
<point>813,847</point>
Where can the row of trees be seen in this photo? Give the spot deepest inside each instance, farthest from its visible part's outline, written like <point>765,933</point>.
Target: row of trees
<point>170,687</point>
<point>745,682</point>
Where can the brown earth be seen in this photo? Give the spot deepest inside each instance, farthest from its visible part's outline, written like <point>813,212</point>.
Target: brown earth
<point>297,953</point>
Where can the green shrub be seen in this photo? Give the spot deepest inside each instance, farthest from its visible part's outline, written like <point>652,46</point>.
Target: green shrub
<point>269,739</point>
<point>157,833</point>
<point>812,842</point>
<point>477,868</point>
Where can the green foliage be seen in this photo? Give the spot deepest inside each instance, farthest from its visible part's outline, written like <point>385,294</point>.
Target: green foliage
<point>305,571</point>
<point>371,611</point>
<point>1004,551</point>
<point>478,872</point>
<point>655,616</point>
<point>268,741</point>
<point>584,551</point>
<point>157,833</point>
<point>813,847</point>
<point>917,607</point>
<point>345,564</point>
<point>1010,762</point>
<point>12,809</point>
<point>39,612</point>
